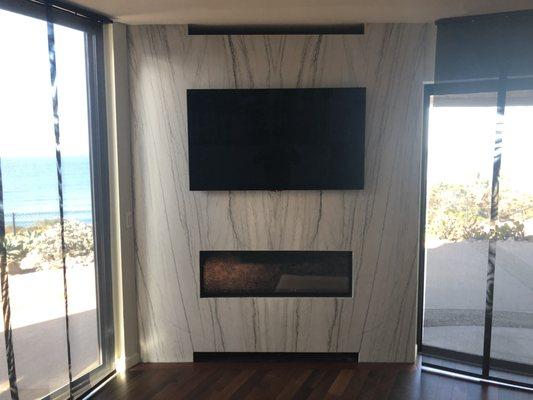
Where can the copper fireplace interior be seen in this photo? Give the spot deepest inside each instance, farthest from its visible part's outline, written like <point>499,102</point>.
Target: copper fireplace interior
<point>276,273</point>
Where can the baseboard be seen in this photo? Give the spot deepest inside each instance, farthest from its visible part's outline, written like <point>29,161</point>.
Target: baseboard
<point>133,360</point>
<point>274,357</point>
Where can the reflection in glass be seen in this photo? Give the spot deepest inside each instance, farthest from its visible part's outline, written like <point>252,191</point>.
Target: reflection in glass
<point>4,377</point>
<point>31,205</point>
<point>81,273</point>
<point>512,332</point>
<point>459,171</point>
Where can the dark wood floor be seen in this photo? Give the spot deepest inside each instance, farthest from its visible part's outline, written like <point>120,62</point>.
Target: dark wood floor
<point>219,381</point>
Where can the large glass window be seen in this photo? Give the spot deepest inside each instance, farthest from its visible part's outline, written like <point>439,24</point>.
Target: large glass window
<point>512,327</point>
<point>55,207</point>
<point>478,232</point>
<point>459,171</point>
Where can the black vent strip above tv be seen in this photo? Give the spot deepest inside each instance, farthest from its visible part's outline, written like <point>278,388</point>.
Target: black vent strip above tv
<point>276,139</point>
<point>347,29</point>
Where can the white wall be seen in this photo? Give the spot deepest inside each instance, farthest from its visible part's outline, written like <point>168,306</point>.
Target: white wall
<point>120,182</point>
<point>379,224</point>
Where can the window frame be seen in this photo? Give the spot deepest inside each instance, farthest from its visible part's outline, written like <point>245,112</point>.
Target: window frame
<point>485,361</point>
<point>92,25</point>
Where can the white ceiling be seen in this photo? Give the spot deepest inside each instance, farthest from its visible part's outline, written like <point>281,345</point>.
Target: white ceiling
<point>294,11</point>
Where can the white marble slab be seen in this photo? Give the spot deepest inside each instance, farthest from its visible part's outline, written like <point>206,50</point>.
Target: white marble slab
<point>379,224</point>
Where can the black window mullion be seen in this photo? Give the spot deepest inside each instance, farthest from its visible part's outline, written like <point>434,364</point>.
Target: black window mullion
<point>100,190</point>
<point>495,197</point>
<point>6,306</point>
<point>62,13</point>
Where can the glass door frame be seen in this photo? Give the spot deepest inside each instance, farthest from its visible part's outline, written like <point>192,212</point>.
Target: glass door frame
<point>501,87</point>
<point>92,25</point>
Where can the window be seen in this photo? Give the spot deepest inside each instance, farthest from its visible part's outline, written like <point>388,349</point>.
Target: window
<point>54,190</point>
<point>477,254</point>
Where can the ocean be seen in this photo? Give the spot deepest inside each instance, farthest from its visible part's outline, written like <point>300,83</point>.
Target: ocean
<point>31,193</point>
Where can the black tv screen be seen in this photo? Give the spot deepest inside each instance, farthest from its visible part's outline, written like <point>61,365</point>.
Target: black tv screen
<point>276,139</point>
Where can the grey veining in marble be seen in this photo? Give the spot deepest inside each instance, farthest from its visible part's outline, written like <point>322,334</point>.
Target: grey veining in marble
<point>379,224</point>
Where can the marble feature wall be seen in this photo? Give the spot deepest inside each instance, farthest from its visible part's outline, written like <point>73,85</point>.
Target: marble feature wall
<point>378,224</point>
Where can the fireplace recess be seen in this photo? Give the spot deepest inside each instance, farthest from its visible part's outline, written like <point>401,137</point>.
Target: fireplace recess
<point>275,274</point>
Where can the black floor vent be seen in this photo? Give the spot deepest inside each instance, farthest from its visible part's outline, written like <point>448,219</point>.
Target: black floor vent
<point>274,357</point>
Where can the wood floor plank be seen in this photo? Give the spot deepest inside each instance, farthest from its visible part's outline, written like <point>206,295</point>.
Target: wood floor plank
<point>292,387</point>
<point>309,385</point>
<point>203,387</point>
<point>295,381</point>
<point>182,388</point>
<point>386,384</point>
<point>145,386</point>
<point>355,385</point>
<point>406,386</point>
<point>224,379</point>
<point>323,385</point>
<point>273,383</point>
<point>233,385</point>
<point>340,384</point>
<point>248,386</point>
<point>370,385</point>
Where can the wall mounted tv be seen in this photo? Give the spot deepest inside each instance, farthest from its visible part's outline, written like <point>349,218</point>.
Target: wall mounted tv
<point>276,139</point>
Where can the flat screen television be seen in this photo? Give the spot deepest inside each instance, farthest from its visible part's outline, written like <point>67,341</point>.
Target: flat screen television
<point>276,139</point>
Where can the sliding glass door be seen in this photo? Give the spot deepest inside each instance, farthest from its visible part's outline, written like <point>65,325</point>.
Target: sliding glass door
<point>512,326</point>
<point>56,293</point>
<point>459,172</point>
<point>477,258</point>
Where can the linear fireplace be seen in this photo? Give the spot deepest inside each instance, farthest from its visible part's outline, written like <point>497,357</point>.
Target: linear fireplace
<point>275,274</point>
